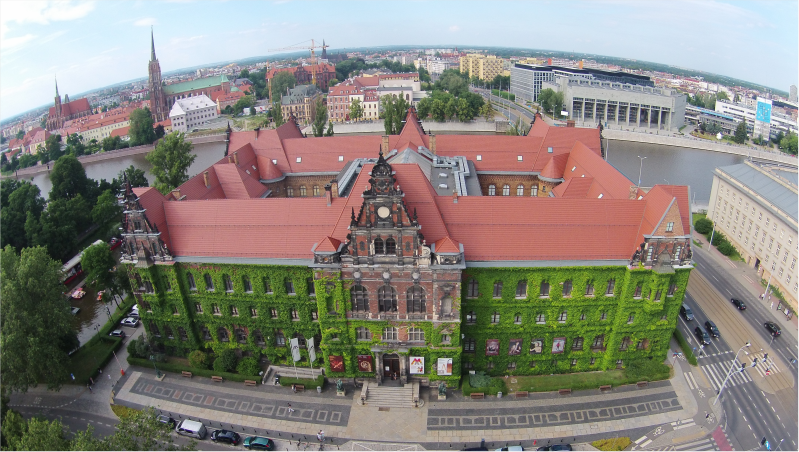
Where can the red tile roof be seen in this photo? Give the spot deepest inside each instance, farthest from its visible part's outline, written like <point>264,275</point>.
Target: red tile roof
<point>447,245</point>
<point>120,132</point>
<point>73,107</point>
<point>153,201</point>
<point>328,245</point>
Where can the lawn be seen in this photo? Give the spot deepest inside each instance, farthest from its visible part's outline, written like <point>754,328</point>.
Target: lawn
<point>86,361</point>
<point>697,216</point>
<point>581,380</point>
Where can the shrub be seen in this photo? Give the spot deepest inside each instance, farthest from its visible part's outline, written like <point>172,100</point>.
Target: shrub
<point>177,368</point>
<point>489,385</point>
<point>703,226</point>
<point>139,348</point>
<point>612,443</point>
<point>726,248</point>
<point>307,382</point>
<point>198,359</point>
<point>686,349</point>
<point>718,238</point>
<point>226,361</point>
<point>248,366</point>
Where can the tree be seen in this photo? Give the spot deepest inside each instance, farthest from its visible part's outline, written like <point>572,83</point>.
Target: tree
<point>451,109</point>
<point>228,110</point>
<point>438,111</point>
<point>198,359</point>
<point>789,143</point>
<point>159,131</point>
<point>703,226</point>
<point>20,134</point>
<point>35,434</point>
<point>488,111</point>
<point>277,114</point>
<point>111,143</point>
<point>320,118</point>
<point>244,73</point>
<point>52,146</point>
<point>97,262</point>
<point>171,160</point>
<point>722,95</point>
<point>75,145</point>
<point>423,107</point>
<point>395,109</point>
<point>242,103</point>
<point>69,179</point>
<point>356,109</point>
<point>135,176</point>
<point>280,82</point>
<point>36,330</point>
<point>557,104</point>
<point>332,82</point>
<point>329,132</point>
<point>226,361</point>
<point>740,133</point>
<point>248,366</point>
<point>19,200</point>
<point>58,226</point>
<point>141,127</point>
<point>544,98</point>
<point>465,112</point>
<point>142,431</point>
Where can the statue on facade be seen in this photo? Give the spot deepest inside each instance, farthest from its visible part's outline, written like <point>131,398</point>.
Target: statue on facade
<point>442,388</point>
<point>339,385</point>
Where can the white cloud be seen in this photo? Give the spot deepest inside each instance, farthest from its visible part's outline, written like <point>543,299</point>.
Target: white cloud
<point>9,43</point>
<point>454,28</point>
<point>146,22</point>
<point>36,12</point>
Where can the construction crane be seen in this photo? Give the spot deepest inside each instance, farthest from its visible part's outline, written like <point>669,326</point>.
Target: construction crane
<point>312,48</point>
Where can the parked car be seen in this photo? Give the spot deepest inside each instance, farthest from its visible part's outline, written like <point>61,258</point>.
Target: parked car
<point>163,418</point>
<point>130,322</point>
<point>226,436</point>
<point>702,336</point>
<point>259,443</point>
<point>75,311</point>
<point>511,448</point>
<point>711,328</point>
<point>738,303</point>
<point>686,312</point>
<point>772,328</point>
<point>556,447</point>
<point>117,333</point>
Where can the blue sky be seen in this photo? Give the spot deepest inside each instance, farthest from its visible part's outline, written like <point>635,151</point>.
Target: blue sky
<point>94,44</point>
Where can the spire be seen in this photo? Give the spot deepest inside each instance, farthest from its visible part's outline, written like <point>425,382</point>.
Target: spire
<point>152,45</point>
<point>56,88</point>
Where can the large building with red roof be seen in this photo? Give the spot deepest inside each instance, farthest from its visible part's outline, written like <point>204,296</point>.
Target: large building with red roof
<point>66,111</point>
<point>413,256</point>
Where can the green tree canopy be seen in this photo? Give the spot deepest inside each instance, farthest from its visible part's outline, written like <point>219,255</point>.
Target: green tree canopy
<point>75,145</point>
<point>36,325</point>
<point>19,200</point>
<point>277,114</point>
<point>52,148</point>
<point>423,107</point>
<point>106,208</point>
<point>488,111</point>
<point>740,133</point>
<point>20,134</point>
<point>241,104</point>
<point>69,179</point>
<point>59,225</point>
<point>789,143</point>
<point>280,82</point>
<point>320,118</point>
<point>171,160</point>
<point>329,132</point>
<point>135,176</point>
<point>356,109</point>
<point>141,127</point>
<point>97,262</point>
<point>395,109</point>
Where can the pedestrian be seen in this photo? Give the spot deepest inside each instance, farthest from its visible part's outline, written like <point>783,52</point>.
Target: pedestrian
<point>109,377</point>
<point>772,304</point>
<point>294,388</point>
<point>291,410</point>
<point>90,388</point>
<point>321,436</point>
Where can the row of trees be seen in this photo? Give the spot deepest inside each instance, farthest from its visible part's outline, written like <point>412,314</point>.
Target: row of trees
<point>354,65</point>
<point>706,100</point>
<point>441,105</point>
<point>551,101</point>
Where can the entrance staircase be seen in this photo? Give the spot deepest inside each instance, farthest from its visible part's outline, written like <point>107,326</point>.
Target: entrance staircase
<point>392,397</point>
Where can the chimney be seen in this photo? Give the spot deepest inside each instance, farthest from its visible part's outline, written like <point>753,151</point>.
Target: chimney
<point>328,194</point>
<point>455,196</point>
<point>334,188</point>
<point>256,133</point>
<point>633,192</point>
<point>176,194</point>
<point>236,157</point>
<point>205,178</point>
<point>230,159</point>
<point>433,143</point>
<point>384,145</point>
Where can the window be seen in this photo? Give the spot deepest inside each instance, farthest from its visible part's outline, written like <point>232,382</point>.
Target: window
<point>192,284</point>
<point>294,315</point>
<point>234,311</point>
<point>148,286</point>
<point>379,246</point>
<point>489,365</point>
<point>495,317</point>
<point>386,299</point>
<point>521,289</point>
<point>512,365</point>
<point>670,226</point>
<point>471,317</point>
<point>630,319</point>
<point>280,339</point>
<point>222,334</point>
<point>534,190</point>
<point>567,288</point>
<point>302,191</point>
<point>672,289</point>
<point>637,293</point>
<point>658,294</point>
<point>472,288</point>
<point>589,289</point>
<point>582,316</point>
<point>445,339</point>
<point>228,283</point>
<point>625,343</point>
<point>363,334</point>
<point>241,336</point>
<point>577,343</point>
<point>253,312</point>
<point>389,334</point>
<point>468,345</point>
<point>205,333</point>
<point>574,363</point>
<point>215,309</point>
<point>198,308</point>
<point>182,334</point>
<point>506,190</point>
<point>316,190</point>
<point>642,344</point>
<point>599,342</point>
<point>544,289</point>
<point>517,319</point>
<point>209,283</point>
<point>520,190</point>
<point>593,361</point>
<point>611,286</point>
<point>603,316</point>
<point>154,330</point>
<point>290,287</point>
<point>247,284</point>
<point>540,319</point>
<point>168,285</point>
<point>415,300</point>
<point>492,190</point>
<point>360,299</point>
<point>562,317</point>
<point>259,337</point>
<point>498,289</point>
<point>415,334</point>
<point>273,312</point>
<point>468,365</point>
<point>267,286</point>
<point>391,246</point>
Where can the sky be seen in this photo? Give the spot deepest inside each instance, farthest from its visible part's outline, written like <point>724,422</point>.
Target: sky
<point>89,45</point>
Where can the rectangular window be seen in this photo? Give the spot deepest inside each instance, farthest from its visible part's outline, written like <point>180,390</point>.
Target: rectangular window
<point>611,286</point>
<point>253,312</point>
<point>290,287</point>
<point>234,311</point>
<point>468,345</point>
<point>521,289</point>
<point>637,293</point>
<point>273,312</point>
<point>314,315</point>
<point>577,344</point>
<point>630,319</point>
<point>175,308</point>
<point>198,308</point>
<point>672,289</point>
<point>657,295</point>
<point>540,319</point>
<point>267,286</point>
<point>544,289</point>
<point>209,283</point>
<point>603,316</point>
<point>589,290</point>
<point>311,288</point>
<point>498,289</point>
<point>567,288</point>
<point>562,317</point>
<point>472,288</point>
<point>294,315</point>
<point>216,310</point>
<point>670,226</point>
<point>495,317</point>
<point>512,365</point>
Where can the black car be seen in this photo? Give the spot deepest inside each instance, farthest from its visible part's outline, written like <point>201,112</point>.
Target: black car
<point>167,420</point>
<point>773,328</point>
<point>702,336</point>
<point>225,436</point>
<point>738,303</point>
<point>556,447</point>
<point>259,443</point>
<point>117,333</point>
<point>686,312</point>
<point>711,328</point>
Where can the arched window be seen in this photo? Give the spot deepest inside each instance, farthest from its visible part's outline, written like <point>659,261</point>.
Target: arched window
<point>386,299</point>
<point>498,289</point>
<point>222,334</point>
<point>259,337</point>
<point>316,190</point>
<point>302,191</point>
<point>363,334</point>
<point>472,288</point>
<point>379,246</point>
<point>192,284</point>
<point>415,299</point>
<point>290,192</point>
<point>241,336</point>
<point>534,190</point>
<point>391,246</point>
<point>182,334</point>
<point>209,283</point>
<point>521,289</point>
<point>280,339</point>
<point>506,190</point>
<point>520,190</point>
<point>168,332</point>
<point>205,333</point>
<point>492,190</point>
<point>228,283</point>
<point>567,288</point>
<point>360,299</point>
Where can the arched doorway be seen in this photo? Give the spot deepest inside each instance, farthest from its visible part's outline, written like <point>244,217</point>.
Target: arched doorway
<point>391,366</point>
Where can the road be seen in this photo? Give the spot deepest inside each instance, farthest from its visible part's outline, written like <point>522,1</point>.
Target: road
<point>756,405</point>
<point>515,111</point>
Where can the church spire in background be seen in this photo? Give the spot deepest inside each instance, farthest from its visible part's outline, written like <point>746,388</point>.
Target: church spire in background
<point>152,45</point>
<point>56,88</point>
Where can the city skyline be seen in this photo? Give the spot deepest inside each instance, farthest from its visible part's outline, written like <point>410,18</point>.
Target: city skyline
<point>89,45</point>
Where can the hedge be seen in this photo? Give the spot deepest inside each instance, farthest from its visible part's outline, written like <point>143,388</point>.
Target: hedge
<point>177,368</point>
<point>686,349</point>
<point>307,382</point>
<point>85,367</point>
<point>612,443</point>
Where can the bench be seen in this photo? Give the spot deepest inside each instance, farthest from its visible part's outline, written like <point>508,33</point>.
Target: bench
<point>250,383</point>
<point>186,374</point>
<point>477,395</point>
<point>520,394</point>
<point>217,379</point>
<point>604,388</point>
<point>642,384</point>
<point>299,388</point>
<point>564,391</point>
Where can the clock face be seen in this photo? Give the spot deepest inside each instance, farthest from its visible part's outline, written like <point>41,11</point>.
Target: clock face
<point>383,212</point>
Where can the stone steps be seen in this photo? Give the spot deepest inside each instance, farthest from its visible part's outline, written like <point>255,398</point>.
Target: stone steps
<point>384,396</point>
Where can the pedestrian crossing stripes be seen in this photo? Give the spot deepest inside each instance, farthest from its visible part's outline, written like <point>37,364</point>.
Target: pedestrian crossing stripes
<point>702,444</point>
<point>747,278</point>
<point>689,378</point>
<point>763,366</point>
<point>679,425</point>
<point>717,372</point>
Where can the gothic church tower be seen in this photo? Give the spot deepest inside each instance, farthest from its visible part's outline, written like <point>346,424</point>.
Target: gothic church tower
<point>158,106</point>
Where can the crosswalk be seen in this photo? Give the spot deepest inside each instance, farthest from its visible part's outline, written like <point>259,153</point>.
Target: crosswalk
<point>763,366</point>
<point>717,372</point>
<point>702,444</point>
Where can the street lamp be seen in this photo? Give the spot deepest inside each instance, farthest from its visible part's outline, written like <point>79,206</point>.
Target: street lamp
<point>157,372</point>
<point>640,169</point>
<point>729,373</point>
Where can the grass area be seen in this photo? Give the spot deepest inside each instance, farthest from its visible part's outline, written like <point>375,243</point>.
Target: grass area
<point>697,216</point>
<point>178,365</point>
<point>588,380</point>
<point>612,443</point>
<point>697,243</point>
<point>85,362</point>
<point>686,349</point>
<point>123,411</point>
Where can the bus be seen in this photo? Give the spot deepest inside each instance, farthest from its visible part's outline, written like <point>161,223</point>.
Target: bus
<point>72,269</point>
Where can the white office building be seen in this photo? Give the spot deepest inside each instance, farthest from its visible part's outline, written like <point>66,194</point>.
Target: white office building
<point>192,111</point>
<point>743,112</point>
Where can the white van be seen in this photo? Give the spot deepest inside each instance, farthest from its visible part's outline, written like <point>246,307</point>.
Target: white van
<point>191,428</point>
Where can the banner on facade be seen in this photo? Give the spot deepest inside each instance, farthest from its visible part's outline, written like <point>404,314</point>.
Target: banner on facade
<point>365,363</point>
<point>336,363</point>
<point>311,350</point>
<point>492,347</point>
<point>417,364</point>
<point>444,366</point>
<point>536,346</point>
<point>295,349</point>
<point>515,347</point>
<point>558,344</point>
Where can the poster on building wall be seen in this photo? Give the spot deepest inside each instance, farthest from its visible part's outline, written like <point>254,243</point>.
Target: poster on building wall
<point>557,344</point>
<point>444,366</point>
<point>492,347</point>
<point>295,349</point>
<point>365,363</point>
<point>515,347</point>
<point>536,346</point>
<point>336,363</point>
<point>417,364</point>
